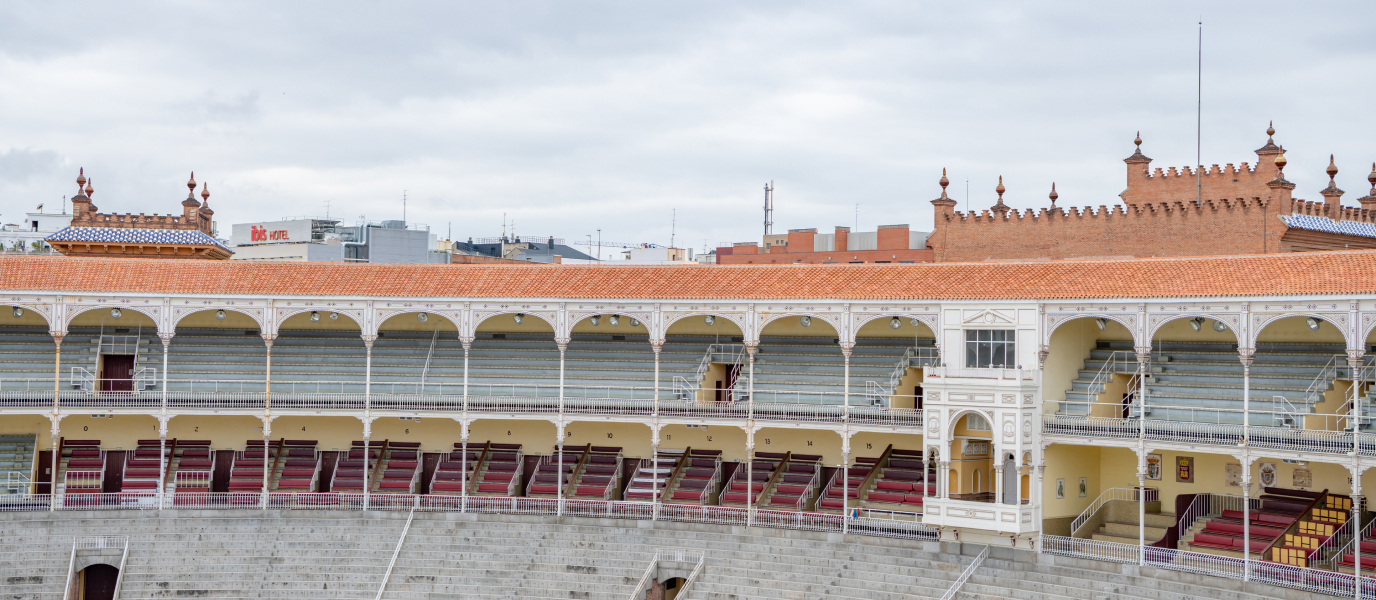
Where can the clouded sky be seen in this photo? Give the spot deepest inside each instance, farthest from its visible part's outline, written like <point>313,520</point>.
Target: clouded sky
<point>575,116</point>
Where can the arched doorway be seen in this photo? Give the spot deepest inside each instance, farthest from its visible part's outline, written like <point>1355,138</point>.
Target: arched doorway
<point>96,582</point>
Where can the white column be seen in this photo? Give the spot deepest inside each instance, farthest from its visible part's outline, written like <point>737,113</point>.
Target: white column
<point>56,416</point>
<point>463,464</point>
<point>943,479</point>
<point>845,491</point>
<point>52,487</point>
<point>845,379</point>
<point>368,372</point>
<point>267,433</point>
<point>1141,505</point>
<point>162,458</point>
<point>656,347</point>
<point>466,346</point>
<point>559,448</point>
<point>999,496</point>
<point>1246,517</point>
<point>267,373</point>
<point>367,459</point>
<point>166,341</point>
<point>1246,355</point>
<point>654,475</point>
<point>750,474</point>
<point>1143,359</point>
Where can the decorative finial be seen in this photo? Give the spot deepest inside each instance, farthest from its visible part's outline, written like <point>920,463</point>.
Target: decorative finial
<point>1281,162</point>
<point>90,190</point>
<point>1138,141</point>
<point>1332,169</point>
<point>205,192</point>
<point>191,185</point>
<point>80,179</point>
<point>1053,195</point>
<point>1000,189</point>
<point>1270,131</point>
<point>1372,178</point>
<point>944,181</point>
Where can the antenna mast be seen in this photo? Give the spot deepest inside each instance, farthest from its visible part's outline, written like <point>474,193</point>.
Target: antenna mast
<point>403,206</point>
<point>768,208</point>
<point>1199,117</point>
<point>673,220</point>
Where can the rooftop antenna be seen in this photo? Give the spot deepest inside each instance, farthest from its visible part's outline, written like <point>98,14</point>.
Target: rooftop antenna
<point>403,206</point>
<point>673,221</point>
<point>327,208</point>
<point>768,208</point>
<point>1199,116</point>
<point>599,244</point>
<point>503,227</point>
<point>967,196</point>
<point>857,217</point>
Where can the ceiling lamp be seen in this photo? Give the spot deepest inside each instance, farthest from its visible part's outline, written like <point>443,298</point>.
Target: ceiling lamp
<point>422,317</point>
<point>709,319</point>
<point>805,321</point>
<point>115,313</point>
<point>219,315</point>
<point>315,316</point>
<point>1219,326</point>
<point>614,320</point>
<point>519,317</point>
<point>1313,323</point>
<point>635,323</point>
<point>914,322</point>
<point>17,312</point>
<point>1102,323</point>
<point>895,323</point>
<point>1197,323</point>
<point>595,320</point>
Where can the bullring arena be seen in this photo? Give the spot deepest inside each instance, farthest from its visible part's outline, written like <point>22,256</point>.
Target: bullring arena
<point>1162,428</point>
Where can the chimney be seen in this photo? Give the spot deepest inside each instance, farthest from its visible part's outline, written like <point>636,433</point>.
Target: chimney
<point>801,240</point>
<point>1139,169</point>
<point>892,237</point>
<point>842,234</point>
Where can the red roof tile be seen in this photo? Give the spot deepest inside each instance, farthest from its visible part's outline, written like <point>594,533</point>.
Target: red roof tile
<point>1256,275</point>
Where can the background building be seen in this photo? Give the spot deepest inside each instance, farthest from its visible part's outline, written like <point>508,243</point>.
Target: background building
<point>27,235</point>
<point>325,240</point>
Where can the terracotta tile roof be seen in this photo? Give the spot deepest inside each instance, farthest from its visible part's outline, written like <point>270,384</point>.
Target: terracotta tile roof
<point>1310,273</point>
<point>122,235</point>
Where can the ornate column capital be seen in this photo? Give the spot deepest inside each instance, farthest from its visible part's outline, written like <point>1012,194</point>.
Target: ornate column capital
<point>1246,355</point>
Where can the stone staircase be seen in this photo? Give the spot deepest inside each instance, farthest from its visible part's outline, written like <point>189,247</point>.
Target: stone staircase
<point>328,554</point>
<point>1122,527</point>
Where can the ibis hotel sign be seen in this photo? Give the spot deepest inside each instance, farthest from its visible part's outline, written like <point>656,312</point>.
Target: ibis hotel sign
<point>271,232</point>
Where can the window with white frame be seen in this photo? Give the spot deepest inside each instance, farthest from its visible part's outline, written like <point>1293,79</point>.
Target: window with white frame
<point>977,422</point>
<point>986,348</point>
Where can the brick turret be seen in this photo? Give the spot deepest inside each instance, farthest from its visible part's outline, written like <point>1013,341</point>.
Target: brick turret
<point>1147,186</point>
<point>195,216</point>
<point>1368,202</point>
<point>1332,196</point>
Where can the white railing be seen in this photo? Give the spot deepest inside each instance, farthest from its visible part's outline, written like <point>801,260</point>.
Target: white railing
<point>1209,506</point>
<point>100,542</point>
<point>1025,376</point>
<point>684,589</point>
<point>397,552</point>
<point>1331,550</point>
<point>16,482</point>
<point>1109,369</point>
<point>965,575</point>
<point>638,591</point>
<point>430,354</point>
<point>1300,578</point>
<point>26,502</point>
<point>1324,379</point>
<point>1330,441</point>
<point>1108,495</point>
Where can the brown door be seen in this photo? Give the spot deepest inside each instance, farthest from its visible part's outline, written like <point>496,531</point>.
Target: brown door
<point>917,397</point>
<point>114,472</point>
<point>118,374</point>
<point>43,481</point>
<point>98,582</point>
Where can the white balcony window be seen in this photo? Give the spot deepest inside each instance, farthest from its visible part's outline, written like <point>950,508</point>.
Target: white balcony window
<point>990,348</point>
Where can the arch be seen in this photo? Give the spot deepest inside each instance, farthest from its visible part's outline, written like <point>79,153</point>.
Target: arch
<point>928,321</point>
<point>33,315</point>
<point>385,318</point>
<point>181,315</point>
<point>1269,320</point>
<point>732,318</point>
<point>831,320</point>
<point>1123,320</point>
<point>1230,320</point>
<point>975,484</point>
<point>149,311</point>
<point>578,318</point>
<point>287,315</point>
<point>955,419</point>
<point>553,324</point>
<point>952,481</point>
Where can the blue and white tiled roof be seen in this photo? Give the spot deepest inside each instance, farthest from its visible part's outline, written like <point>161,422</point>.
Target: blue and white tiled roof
<point>1327,225</point>
<point>119,235</point>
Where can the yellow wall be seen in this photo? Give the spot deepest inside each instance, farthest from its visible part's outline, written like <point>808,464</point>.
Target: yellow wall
<point>1070,346</point>
<point>792,327</point>
<point>535,437</point>
<point>408,322</point>
<point>28,319</point>
<point>903,394</point>
<point>1071,463</point>
<point>330,433</point>
<point>508,324</point>
<point>879,328</point>
<point>873,444</point>
<point>622,327</point>
<point>303,321</point>
<point>1119,469</point>
<point>827,444</point>
<point>206,320</point>
<point>1179,330</point>
<point>120,433</point>
<point>101,317</point>
<point>1294,329</point>
<point>225,432</point>
<point>697,325</point>
<point>730,440</point>
<point>633,438</point>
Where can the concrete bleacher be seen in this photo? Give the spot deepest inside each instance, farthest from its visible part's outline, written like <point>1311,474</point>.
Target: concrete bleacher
<point>328,554</point>
<point>694,479</point>
<point>1192,381</point>
<point>16,456</point>
<point>814,367</point>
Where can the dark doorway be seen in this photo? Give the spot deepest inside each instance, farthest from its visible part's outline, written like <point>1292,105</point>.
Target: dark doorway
<point>114,472</point>
<point>98,582</point>
<point>917,397</point>
<point>43,482</point>
<point>117,373</point>
<point>219,480</point>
